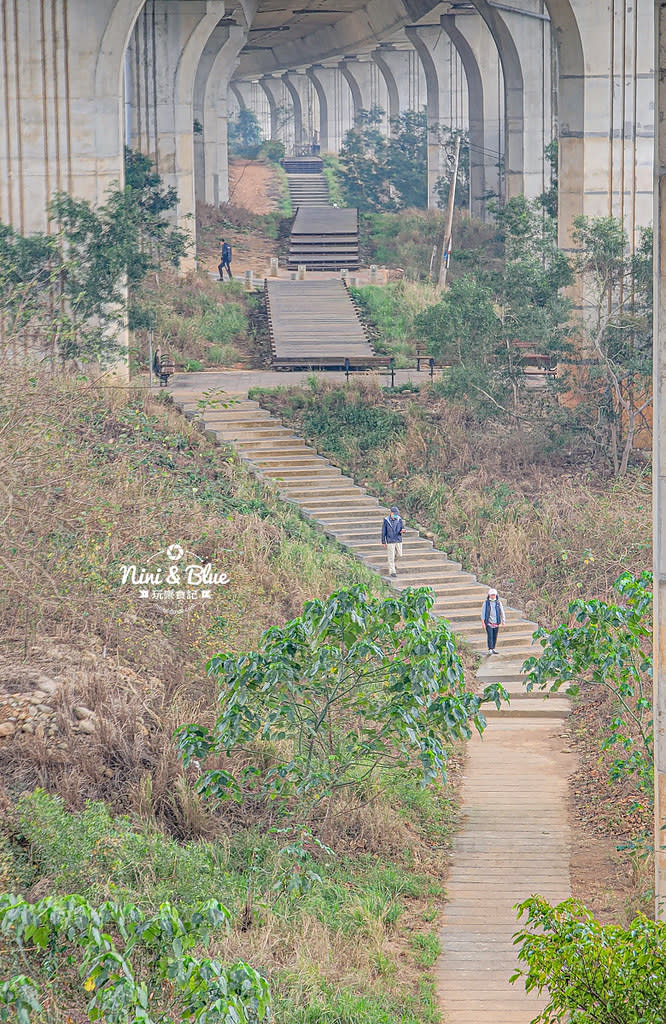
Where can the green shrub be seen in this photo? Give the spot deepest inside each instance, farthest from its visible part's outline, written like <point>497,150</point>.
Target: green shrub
<point>223,324</point>
<point>223,355</point>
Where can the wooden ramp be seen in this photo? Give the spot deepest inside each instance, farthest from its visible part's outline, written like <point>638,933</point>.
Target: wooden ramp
<point>324,238</point>
<point>314,324</point>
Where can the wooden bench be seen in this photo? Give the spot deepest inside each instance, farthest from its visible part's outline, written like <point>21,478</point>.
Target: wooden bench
<point>535,362</point>
<point>421,355</point>
<point>163,368</point>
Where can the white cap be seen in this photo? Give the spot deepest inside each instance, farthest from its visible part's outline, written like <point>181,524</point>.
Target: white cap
<point>491,592</point>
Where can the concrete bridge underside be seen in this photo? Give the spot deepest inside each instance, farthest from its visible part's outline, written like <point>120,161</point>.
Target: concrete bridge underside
<point>79,80</point>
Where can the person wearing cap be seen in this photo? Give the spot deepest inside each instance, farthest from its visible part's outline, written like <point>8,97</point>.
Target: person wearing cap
<point>492,617</point>
<point>392,537</point>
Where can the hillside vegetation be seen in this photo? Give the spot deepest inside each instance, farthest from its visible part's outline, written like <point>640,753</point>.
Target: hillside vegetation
<point>98,479</point>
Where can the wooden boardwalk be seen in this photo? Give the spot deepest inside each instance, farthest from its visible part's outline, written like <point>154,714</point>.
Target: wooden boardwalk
<point>324,238</point>
<point>314,324</point>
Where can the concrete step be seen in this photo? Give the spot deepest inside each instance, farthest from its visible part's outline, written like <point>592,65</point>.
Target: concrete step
<point>529,709</point>
<point>316,501</point>
<point>338,517</point>
<point>238,415</point>
<point>336,491</point>
<point>367,537</point>
<point>287,461</point>
<point>276,445</point>
<point>411,545</point>
<point>436,575</point>
<point>301,473</point>
<point>420,562</point>
<point>231,434</point>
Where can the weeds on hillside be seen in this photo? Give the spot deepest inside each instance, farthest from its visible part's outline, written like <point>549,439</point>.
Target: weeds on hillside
<point>93,483</point>
<point>388,313</point>
<point>195,320</point>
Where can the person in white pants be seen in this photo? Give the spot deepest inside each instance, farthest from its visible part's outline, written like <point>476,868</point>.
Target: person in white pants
<point>392,537</point>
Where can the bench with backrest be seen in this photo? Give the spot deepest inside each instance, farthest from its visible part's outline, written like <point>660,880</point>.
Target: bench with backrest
<point>163,368</point>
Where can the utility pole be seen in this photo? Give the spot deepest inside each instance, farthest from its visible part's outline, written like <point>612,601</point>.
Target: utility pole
<point>446,241</point>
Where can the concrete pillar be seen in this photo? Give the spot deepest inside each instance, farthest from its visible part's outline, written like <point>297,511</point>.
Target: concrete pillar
<point>447,98</point>
<point>297,107</point>
<point>478,53</point>
<point>604,111</point>
<point>514,119</point>
<point>173,36</point>
<point>619,120</point>
<point>336,109</point>
<point>522,35</point>
<point>367,87</point>
<point>216,67</point>
<point>403,74</point>
<point>252,96</point>
<point>659,468</point>
<point>61,94</point>
<point>272,88</point>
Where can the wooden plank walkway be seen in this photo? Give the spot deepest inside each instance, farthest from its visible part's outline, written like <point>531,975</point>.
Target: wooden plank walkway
<point>324,238</point>
<point>313,323</point>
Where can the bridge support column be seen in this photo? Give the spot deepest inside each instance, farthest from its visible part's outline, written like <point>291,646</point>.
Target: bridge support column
<point>218,63</point>
<point>61,93</point>
<point>303,98</point>
<point>367,87</point>
<point>336,109</point>
<point>476,47</point>
<point>523,38</point>
<point>403,73</point>
<point>176,39</point>
<point>282,123</point>
<point>447,100</point>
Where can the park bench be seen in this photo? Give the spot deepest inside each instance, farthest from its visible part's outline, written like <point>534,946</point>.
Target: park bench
<point>163,368</point>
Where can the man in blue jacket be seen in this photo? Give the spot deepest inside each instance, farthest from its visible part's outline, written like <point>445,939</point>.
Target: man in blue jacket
<point>392,538</point>
<point>225,261</point>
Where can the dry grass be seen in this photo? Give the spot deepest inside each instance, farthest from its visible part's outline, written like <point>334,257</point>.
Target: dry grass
<point>93,482</point>
<point>542,526</point>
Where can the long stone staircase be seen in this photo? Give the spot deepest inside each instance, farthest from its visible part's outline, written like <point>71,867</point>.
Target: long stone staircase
<point>514,832</point>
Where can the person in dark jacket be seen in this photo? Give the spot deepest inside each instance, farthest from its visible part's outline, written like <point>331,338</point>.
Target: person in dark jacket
<point>225,260</point>
<point>492,617</point>
<point>392,537</point>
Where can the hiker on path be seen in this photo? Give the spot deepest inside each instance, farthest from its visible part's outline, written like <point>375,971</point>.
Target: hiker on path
<point>392,537</point>
<point>492,616</point>
<point>225,261</point>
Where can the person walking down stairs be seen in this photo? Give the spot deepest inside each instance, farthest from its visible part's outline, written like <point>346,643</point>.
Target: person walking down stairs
<point>392,537</point>
<point>492,617</point>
